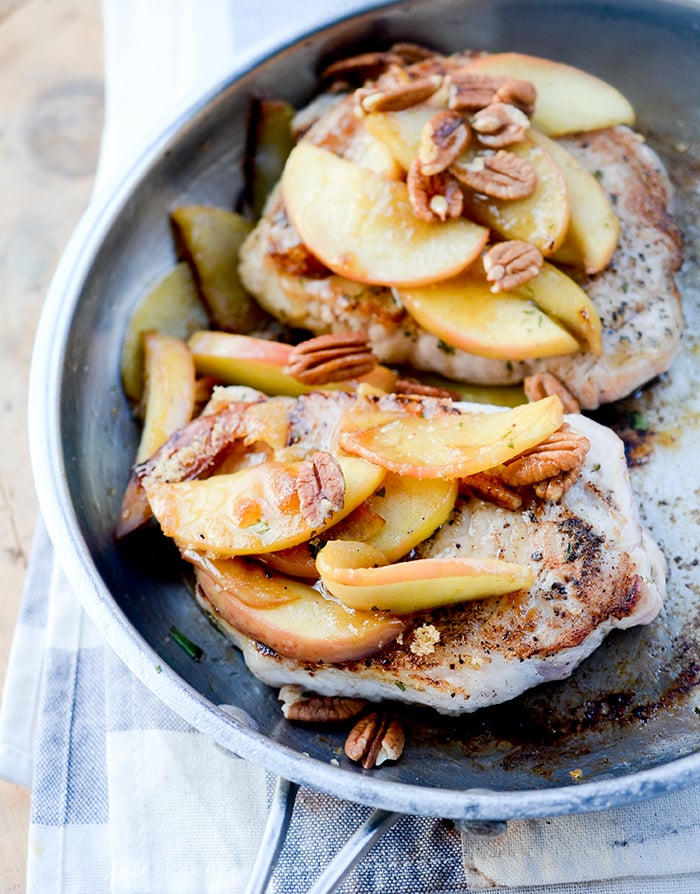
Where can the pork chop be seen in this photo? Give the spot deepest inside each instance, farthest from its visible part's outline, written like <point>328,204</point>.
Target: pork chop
<point>636,295</point>
<point>596,569</point>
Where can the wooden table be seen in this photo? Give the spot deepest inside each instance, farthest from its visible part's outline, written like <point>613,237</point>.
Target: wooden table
<point>50,124</point>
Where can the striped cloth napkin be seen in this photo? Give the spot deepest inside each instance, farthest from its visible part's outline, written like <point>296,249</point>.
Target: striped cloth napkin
<point>129,799</point>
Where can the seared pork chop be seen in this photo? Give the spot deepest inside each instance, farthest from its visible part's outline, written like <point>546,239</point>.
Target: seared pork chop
<point>636,296</point>
<point>596,570</point>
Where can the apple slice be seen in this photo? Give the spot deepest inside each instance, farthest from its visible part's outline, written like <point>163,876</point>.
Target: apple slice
<point>593,227</point>
<point>542,219</point>
<point>254,510</point>
<point>412,509</point>
<point>362,226</point>
<point>446,445</point>
<point>260,364</point>
<point>169,390</point>
<point>209,238</point>
<point>308,627</point>
<point>568,100</point>
<point>399,515</point>
<point>560,297</point>
<point>173,307</point>
<point>400,131</point>
<point>358,575</point>
<point>464,313</point>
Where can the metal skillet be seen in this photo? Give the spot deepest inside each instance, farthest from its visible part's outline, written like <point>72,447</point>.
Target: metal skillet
<point>627,722</point>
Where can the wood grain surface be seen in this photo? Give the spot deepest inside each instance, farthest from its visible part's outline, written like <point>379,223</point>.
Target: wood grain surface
<point>50,124</point>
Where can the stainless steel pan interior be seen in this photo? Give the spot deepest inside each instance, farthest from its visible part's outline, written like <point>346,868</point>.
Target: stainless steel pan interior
<point>627,725</point>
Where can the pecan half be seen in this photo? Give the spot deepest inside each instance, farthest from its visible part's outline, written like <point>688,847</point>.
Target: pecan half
<point>522,94</point>
<point>360,68</point>
<point>397,96</point>
<point>544,384</point>
<point>550,467</point>
<point>411,52</point>
<point>500,124</point>
<point>413,386</point>
<point>320,487</point>
<point>441,141</point>
<point>375,738</point>
<point>502,176</point>
<point>469,92</point>
<point>331,358</point>
<point>491,489</point>
<point>512,263</point>
<point>307,707</point>
<point>436,197</point>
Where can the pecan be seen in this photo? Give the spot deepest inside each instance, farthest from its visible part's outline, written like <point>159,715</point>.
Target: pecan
<point>433,198</point>
<point>375,738</point>
<point>543,384</point>
<point>499,124</point>
<point>491,489</point>
<point>502,176</point>
<point>441,141</point>
<point>360,68</point>
<point>512,263</point>
<point>321,487</point>
<point>331,358</point>
<point>552,466</point>
<point>411,52</point>
<point>307,707</point>
<point>522,94</point>
<point>469,92</point>
<point>413,386</point>
<point>397,96</point>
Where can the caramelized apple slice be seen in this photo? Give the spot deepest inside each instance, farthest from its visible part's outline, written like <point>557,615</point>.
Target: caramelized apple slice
<point>169,394</point>
<point>400,131</point>
<point>412,509</point>
<point>362,226</point>
<point>260,364</point>
<point>308,627</point>
<point>269,143</point>
<point>464,313</point>
<point>593,227</point>
<point>173,307</point>
<point>210,239</point>
<point>568,100</point>
<point>542,219</point>
<point>254,510</point>
<point>360,577</point>
<point>447,445</point>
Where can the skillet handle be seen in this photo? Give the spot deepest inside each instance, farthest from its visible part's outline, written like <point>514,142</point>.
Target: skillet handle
<point>275,834</point>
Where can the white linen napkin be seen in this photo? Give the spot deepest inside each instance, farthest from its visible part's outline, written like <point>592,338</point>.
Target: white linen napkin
<point>129,799</point>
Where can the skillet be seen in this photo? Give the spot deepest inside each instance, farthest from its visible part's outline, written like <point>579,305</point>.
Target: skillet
<point>627,724</point>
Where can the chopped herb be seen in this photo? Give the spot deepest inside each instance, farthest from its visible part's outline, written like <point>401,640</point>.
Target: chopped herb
<point>638,421</point>
<point>159,669</point>
<point>192,649</point>
<point>598,174</point>
<point>400,685</point>
<point>570,553</point>
<point>625,287</point>
<point>448,349</point>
